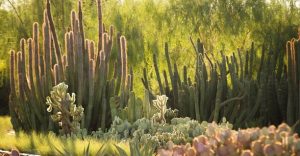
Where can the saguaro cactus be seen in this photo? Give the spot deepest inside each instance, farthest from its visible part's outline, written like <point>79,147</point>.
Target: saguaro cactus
<point>79,64</point>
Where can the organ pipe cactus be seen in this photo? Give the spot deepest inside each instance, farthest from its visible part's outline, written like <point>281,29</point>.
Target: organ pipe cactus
<point>136,108</point>
<point>228,87</point>
<point>83,64</point>
<point>293,73</point>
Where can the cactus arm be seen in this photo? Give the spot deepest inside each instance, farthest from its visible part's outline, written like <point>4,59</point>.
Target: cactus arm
<point>157,74</point>
<point>56,44</point>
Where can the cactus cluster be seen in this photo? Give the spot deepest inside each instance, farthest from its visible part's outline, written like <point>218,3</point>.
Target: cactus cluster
<point>236,87</point>
<point>148,132</point>
<point>82,64</point>
<point>136,107</point>
<point>247,142</point>
<point>242,89</point>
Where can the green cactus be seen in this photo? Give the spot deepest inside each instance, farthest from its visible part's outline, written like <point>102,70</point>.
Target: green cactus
<point>252,141</point>
<point>161,105</point>
<point>229,88</point>
<point>80,64</point>
<point>135,109</point>
<point>293,67</point>
<point>66,112</point>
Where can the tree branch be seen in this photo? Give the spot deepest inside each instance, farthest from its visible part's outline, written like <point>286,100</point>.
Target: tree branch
<point>17,13</point>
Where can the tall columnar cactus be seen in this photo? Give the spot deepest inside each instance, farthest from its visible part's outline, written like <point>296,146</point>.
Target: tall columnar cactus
<point>293,74</point>
<point>228,87</point>
<point>136,107</point>
<point>82,64</point>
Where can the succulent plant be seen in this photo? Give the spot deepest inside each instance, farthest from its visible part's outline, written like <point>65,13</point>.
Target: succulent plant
<point>161,105</point>
<point>269,141</point>
<point>81,63</point>
<point>66,113</point>
<point>157,135</point>
<point>247,100</point>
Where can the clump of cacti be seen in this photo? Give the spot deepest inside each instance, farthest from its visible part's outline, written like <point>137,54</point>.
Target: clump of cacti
<point>235,87</point>
<point>239,87</point>
<point>82,64</point>
<point>253,141</point>
<point>66,113</point>
<point>156,134</point>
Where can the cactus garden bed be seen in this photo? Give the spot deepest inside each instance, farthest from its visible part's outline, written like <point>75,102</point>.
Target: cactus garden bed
<point>77,99</point>
<point>181,137</point>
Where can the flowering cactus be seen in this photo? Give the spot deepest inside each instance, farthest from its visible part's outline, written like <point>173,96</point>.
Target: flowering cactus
<point>66,113</point>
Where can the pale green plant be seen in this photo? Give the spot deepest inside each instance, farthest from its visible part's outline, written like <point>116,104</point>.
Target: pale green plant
<point>66,113</point>
<point>219,140</point>
<point>161,105</point>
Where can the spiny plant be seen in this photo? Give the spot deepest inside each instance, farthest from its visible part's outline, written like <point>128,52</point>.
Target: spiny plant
<point>135,109</point>
<point>247,142</point>
<point>236,87</point>
<point>157,135</point>
<point>293,74</point>
<point>82,64</point>
<point>161,105</point>
<point>67,114</point>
